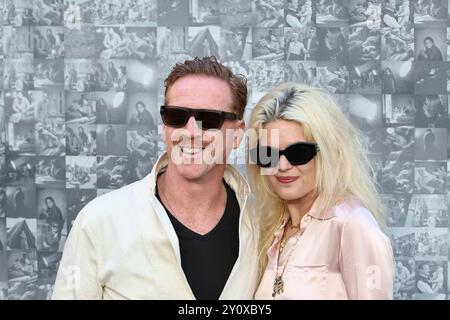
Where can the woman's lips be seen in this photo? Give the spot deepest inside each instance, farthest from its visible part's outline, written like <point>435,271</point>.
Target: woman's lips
<point>286,179</point>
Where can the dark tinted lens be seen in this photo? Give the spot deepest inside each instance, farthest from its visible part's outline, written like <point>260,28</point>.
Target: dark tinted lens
<point>175,117</point>
<point>209,120</point>
<point>300,153</point>
<point>264,156</point>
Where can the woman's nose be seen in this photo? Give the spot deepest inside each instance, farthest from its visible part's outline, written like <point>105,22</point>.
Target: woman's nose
<point>284,164</point>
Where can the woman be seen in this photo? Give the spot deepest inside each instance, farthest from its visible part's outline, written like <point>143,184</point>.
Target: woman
<point>83,137</point>
<point>296,49</point>
<point>56,170</point>
<point>430,146</point>
<point>142,115</point>
<point>431,114</point>
<point>274,45</point>
<point>298,18</point>
<point>302,74</point>
<point>102,111</point>
<point>72,142</point>
<point>305,13</point>
<point>121,79</point>
<point>51,237</point>
<point>22,109</point>
<point>430,52</point>
<point>332,46</point>
<point>320,215</point>
<point>51,39</point>
<point>19,202</point>
<point>41,47</point>
<point>403,13</point>
<point>91,146</point>
<point>59,45</point>
<point>425,283</point>
<point>389,85</point>
<point>51,213</point>
<point>110,137</point>
<point>113,73</point>
<point>2,203</point>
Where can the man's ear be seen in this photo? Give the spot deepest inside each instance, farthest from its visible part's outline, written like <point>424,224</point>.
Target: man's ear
<point>164,133</point>
<point>239,134</point>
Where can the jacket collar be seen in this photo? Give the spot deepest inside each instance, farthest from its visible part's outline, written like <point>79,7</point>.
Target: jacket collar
<point>232,177</point>
<point>235,180</point>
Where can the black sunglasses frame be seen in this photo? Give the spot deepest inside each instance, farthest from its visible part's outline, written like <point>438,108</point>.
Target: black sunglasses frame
<point>195,112</point>
<point>274,162</point>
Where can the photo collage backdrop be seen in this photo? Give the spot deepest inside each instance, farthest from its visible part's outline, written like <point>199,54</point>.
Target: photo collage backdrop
<point>82,82</point>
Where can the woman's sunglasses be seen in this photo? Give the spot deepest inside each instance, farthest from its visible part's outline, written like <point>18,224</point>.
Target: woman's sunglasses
<point>297,154</point>
<point>178,117</point>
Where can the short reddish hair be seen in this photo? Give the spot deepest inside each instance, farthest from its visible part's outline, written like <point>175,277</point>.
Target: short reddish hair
<point>209,66</point>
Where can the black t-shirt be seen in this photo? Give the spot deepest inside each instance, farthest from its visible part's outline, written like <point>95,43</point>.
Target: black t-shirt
<point>207,260</point>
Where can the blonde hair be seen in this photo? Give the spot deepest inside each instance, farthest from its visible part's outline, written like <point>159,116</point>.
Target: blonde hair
<point>343,170</point>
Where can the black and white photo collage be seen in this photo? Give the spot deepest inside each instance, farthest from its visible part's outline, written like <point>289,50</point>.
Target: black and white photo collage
<point>83,81</point>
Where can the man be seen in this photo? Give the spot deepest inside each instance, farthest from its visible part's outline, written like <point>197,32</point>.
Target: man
<point>110,139</point>
<point>183,231</point>
<point>19,202</point>
<point>424,284</point>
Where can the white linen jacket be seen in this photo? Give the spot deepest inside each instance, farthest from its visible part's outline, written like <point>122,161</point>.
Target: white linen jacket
<point>122,246</point>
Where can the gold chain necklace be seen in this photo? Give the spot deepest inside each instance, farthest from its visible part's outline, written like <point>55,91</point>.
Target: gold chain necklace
<point>284,239</point>
<point>278,284</point>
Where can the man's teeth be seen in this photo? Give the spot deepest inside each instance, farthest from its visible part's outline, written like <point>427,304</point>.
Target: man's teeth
<point>191,150</point>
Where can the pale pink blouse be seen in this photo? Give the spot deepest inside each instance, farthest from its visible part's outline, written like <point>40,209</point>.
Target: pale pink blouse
<point>341,254</point>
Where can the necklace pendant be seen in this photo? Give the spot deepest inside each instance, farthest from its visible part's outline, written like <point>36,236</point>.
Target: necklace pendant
<point>278,286</point>
<point>283,243</point>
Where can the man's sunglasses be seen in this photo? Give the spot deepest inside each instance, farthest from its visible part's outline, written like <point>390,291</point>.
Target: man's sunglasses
<point>297,154</point>
<point>178,117</point>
